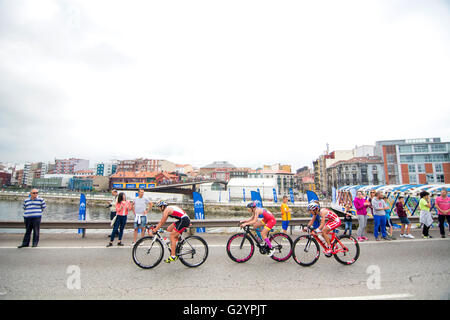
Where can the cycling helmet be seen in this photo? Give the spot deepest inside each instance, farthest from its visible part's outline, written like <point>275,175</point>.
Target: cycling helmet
<point>251,205</point>
<point>313,205</point>
<point>161,203</point>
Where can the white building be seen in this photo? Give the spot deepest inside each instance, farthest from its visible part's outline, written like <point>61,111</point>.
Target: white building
<point>237,186</point>
<point>65,178</point>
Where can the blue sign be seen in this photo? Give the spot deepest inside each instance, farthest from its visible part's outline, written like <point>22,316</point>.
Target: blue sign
<point>130,186</point>
<point>291,193</point>
<point>244,193</point>
<point>117,185</point>
<point>198,208</point>
<point>256,198</point>
<point>275,199</point>
<point>311,195</point>
<point>82,210</point>
<point>142,186</point>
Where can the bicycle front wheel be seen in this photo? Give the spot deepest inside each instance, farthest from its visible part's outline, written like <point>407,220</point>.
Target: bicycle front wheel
<point>346,249</point>
<point>282,244</point>
<point>148,252</point>
<point>306,251</point>
<point>193,251</point>
<point>240,248</point>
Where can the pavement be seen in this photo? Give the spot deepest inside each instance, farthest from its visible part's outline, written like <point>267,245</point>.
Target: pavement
<point>66,266</point>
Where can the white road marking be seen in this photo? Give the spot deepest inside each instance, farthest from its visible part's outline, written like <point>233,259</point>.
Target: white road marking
<point>378,297</point>
<point>219,245</point>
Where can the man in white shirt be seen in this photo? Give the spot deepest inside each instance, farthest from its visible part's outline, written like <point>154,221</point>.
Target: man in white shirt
<point>141,206</point>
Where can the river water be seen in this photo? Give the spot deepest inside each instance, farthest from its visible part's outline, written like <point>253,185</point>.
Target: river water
<point>12,211</point>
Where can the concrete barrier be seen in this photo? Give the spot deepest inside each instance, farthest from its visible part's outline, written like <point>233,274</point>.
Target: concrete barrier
<point>75,224</point>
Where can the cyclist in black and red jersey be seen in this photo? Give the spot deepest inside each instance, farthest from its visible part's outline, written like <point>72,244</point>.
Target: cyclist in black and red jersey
<point>261,217</point>
<point>332,222</point>
<point>175,229</point>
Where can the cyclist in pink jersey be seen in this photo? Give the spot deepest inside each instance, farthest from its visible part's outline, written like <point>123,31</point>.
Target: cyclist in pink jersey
<point>328,222</point>
<point>267,220</point>
<point>175,229</point>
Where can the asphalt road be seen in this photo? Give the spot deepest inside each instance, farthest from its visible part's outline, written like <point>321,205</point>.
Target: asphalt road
<point>67,267</point>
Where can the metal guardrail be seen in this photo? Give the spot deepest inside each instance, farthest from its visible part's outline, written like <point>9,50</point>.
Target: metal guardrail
<point>195,223</point>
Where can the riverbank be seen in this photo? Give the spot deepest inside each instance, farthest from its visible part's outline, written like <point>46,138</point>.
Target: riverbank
<point>233,209</point>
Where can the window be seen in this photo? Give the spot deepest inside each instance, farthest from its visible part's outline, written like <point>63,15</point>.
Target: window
<point>440,157</point>
<point>440,178</point>
<point>374,168</point>
<point>375,178</point>
<point>421,148</point>
<point>438,167</point>
<point>430,178</point>
<point>412,168</point>
<point>438,147</point>
<point>405,149</point>
<point>420,168</point>
<point>412,178</point>
<point>390,158</point>
<point>406,159</point>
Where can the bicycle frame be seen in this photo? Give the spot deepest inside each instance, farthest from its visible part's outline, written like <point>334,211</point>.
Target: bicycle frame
<point>333,239</point>
<point>255,239</point>
<point>180,239</point>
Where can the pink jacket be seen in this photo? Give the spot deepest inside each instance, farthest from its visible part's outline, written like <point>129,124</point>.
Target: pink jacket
<point>123,207</point>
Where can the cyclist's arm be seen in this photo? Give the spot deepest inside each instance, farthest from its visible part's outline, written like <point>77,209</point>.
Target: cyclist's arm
<point>250,221</point>
<point>311,222</point>
<point>322,220</point>
<point>163,220</point>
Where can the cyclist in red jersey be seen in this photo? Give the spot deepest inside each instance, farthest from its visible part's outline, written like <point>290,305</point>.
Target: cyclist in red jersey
<point>267,220</point>
<point>328,222</point>
<point>175,229</point>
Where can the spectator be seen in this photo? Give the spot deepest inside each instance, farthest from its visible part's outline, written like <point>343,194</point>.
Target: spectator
<point>388,220</point>
<point>379,215</point>
<point>371,196</point>
<point>348,218</point>
<point>425,214</point>
<point>122,208</point>
<point>33,208</point>
<point>285,214</point>
<point>361,206</point>
<point>401,212</point>
<point>443,206</point>
<point>140,208</point>
<point>112,206</point>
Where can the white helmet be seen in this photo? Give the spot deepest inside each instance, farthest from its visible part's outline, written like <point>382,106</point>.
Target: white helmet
<point>313,205</point>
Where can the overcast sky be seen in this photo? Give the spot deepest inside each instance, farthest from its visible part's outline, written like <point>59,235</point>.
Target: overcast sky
<point>249,82</point>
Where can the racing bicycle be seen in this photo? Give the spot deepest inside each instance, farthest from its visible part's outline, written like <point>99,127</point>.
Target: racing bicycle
<point>149,251</point>
<point>345,248</point>
<point>241,246</point>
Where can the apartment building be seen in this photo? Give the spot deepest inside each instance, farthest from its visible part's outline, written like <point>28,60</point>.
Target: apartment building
<point>415,161</point>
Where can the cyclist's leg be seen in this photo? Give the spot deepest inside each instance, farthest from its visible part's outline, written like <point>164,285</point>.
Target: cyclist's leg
<point>330,226</point>
<point>325,233</point>
<point>174,235</point>
<point>267,227</point>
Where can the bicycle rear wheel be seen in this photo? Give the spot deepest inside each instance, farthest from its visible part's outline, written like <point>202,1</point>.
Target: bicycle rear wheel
<point>240,247</point>
<point>192,251</point>
<point>282,244</point>
<point>306,251</point>
<point>148,252</point>
<point>346,249</point>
